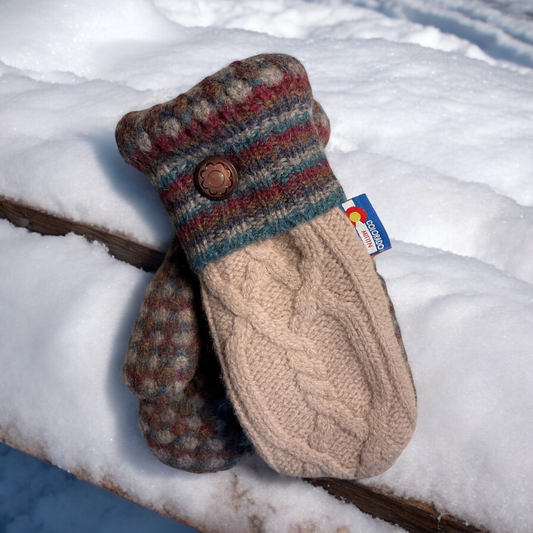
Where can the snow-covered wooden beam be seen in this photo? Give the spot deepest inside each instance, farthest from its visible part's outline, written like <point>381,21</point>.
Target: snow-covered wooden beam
<point>120,246</point>
<point>412,515</point>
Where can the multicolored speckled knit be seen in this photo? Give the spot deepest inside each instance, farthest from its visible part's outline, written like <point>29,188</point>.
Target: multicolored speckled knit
<point>257,113</point>
<point>184,414</point>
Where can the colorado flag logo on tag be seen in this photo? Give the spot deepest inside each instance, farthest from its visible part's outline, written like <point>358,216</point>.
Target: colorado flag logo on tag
<point>367,224</point>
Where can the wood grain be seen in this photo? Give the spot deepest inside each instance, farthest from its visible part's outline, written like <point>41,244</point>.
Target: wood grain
<point>120,246</point>
<point>412,515</point>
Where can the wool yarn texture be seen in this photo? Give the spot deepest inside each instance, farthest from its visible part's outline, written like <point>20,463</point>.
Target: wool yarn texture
<point>301,323</point>
<point>185,416</point>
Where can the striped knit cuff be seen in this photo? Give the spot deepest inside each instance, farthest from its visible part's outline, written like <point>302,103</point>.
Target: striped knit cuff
<point>256,113</point>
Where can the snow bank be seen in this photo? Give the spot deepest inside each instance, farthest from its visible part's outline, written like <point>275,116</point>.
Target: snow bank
<point>463,118</point>
<point>468,332</point>
<point>431,107</point>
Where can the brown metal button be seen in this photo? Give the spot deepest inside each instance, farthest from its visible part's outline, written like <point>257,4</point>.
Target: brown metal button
<point>216,178</point>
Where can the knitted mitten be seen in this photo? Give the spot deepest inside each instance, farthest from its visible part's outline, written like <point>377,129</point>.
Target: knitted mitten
<point>184,414</point>
<point>299,319</point>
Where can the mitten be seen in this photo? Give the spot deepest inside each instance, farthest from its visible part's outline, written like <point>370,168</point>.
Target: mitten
<point>184,414</point>
<point>299,319</point>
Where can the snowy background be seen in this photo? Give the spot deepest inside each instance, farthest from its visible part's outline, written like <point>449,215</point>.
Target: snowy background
<point>431,109</point>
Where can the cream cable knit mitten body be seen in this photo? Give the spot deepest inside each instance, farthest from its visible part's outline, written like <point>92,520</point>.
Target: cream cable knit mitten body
<point>310,356</point>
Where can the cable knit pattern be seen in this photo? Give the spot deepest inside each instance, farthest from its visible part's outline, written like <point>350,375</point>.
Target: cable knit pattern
<point>309,352</point>
<point>257,113</point>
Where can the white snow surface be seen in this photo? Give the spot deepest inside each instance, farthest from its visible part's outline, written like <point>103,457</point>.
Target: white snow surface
<point>431,109</point>
<point>37,496</point>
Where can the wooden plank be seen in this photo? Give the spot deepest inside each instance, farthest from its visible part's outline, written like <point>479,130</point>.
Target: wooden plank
<point>120,246</point>
<point>412,515</point>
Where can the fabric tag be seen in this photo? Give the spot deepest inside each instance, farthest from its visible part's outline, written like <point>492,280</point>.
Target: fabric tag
<point>367,224</point>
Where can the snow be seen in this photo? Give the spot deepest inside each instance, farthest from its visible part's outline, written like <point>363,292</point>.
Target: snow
<point>431,108</point>
<point>40,497</point>
<point>472,327</point>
